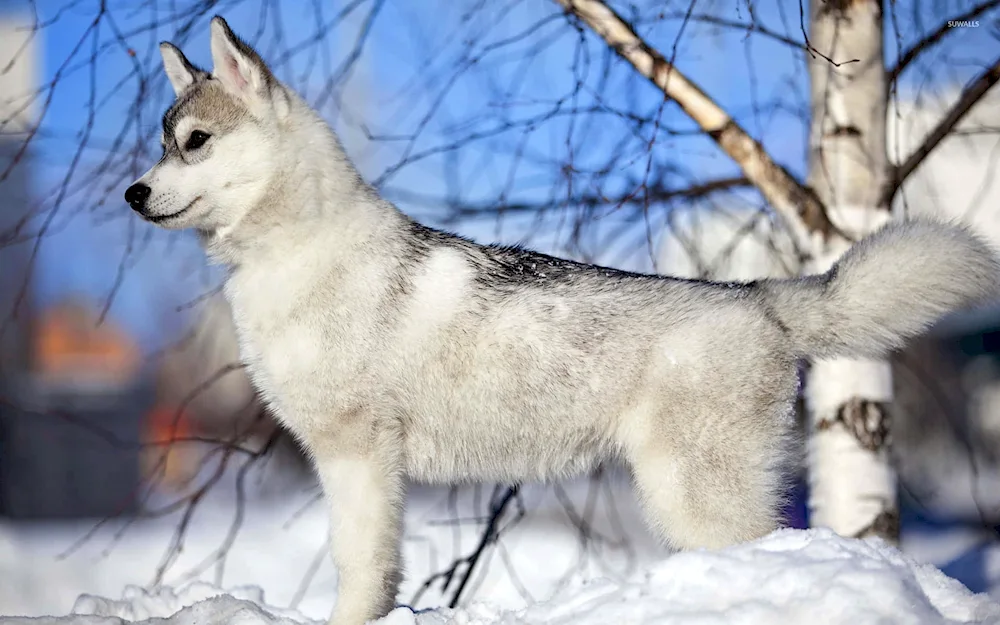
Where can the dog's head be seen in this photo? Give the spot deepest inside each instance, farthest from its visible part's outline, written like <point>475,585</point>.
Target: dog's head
<point>221,139</point>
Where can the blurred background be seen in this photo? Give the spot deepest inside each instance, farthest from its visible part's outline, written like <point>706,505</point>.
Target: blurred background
<point>132,447</point>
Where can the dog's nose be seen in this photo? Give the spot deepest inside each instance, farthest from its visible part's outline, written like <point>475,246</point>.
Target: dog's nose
<point>136,196</point>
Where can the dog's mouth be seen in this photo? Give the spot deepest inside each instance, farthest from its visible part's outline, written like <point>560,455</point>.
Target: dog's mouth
<point>161,218</point>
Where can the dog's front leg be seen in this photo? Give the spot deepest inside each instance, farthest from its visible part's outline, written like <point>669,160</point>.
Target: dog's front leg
<point>365,494</point>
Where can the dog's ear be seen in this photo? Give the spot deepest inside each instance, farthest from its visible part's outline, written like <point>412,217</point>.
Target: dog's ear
<point>180,71</point>
<point>236,65</point>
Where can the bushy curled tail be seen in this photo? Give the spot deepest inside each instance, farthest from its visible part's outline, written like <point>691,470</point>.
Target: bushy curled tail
<point>888,287</point>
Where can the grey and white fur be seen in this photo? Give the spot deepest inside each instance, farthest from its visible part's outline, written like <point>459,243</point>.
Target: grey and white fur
<point>394,351</point>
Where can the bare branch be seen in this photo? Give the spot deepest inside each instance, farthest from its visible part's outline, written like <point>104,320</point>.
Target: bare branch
<point>489,535</point>
<point>465,210</point>
<point>970,96</point>
<point>747,27</point>
<point>924,44</point>
<point>462,568</point>
<point>800,208</point>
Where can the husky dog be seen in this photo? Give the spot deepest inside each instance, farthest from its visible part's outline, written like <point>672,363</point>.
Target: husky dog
<point>395,351</point>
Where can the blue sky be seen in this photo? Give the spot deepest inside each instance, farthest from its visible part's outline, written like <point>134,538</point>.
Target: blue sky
<point>391,91</point>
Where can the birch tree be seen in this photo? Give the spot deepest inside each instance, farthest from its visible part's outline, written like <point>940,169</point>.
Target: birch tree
<point>852,484</point>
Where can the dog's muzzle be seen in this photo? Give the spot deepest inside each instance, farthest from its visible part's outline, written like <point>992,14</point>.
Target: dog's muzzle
<point>136,196</point>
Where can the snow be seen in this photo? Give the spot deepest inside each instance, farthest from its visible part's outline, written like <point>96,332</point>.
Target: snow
<point>544,569</point>
<point>283,533</point>
<point>791,576</point>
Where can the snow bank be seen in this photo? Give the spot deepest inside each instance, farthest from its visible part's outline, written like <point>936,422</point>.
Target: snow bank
<point>280,537</point>
<point>791,576</point>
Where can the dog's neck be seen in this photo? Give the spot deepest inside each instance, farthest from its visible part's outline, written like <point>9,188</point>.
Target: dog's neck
<point>318,192</point>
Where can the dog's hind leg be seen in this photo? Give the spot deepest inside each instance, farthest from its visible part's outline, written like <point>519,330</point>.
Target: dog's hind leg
<point>712,478</point>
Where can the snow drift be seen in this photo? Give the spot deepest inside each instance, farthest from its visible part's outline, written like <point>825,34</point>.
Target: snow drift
<point>791,576</point>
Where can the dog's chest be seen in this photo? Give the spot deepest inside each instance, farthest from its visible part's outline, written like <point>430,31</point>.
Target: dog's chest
<point>297,348</point>
<point>307,333</point>
<point>274,348</point>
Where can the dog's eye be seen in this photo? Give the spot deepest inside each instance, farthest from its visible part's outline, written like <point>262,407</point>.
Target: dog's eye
<point>196,140</point>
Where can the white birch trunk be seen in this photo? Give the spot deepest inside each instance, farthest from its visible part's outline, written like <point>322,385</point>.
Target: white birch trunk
<point>852,483</point>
